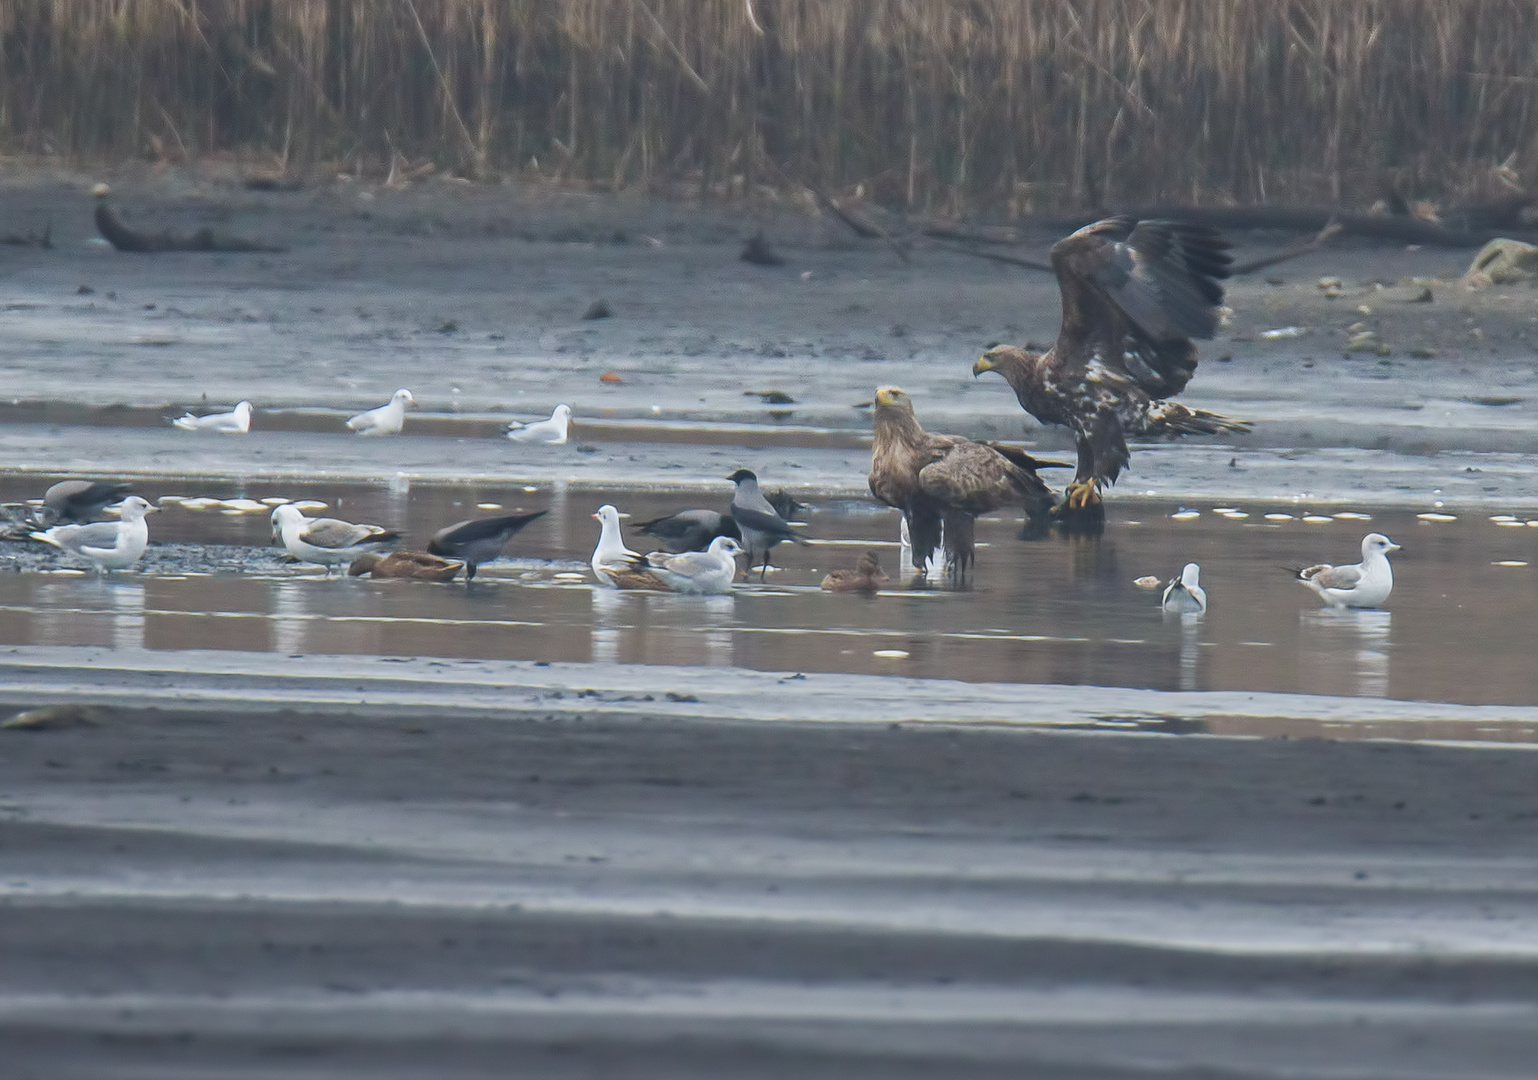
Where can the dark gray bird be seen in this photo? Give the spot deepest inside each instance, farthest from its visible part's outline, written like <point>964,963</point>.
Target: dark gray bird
<point>785,503</point>
<point>760,526</point>
<point>690,530</point>
<point>79,501</point>
<point>479,539</point>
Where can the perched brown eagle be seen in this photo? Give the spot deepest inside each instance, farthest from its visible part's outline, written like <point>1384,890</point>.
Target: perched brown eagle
<point>1135,294</point>
<point>946,480</point>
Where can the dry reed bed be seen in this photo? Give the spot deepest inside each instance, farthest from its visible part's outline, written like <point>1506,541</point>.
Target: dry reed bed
<point>937,104</point>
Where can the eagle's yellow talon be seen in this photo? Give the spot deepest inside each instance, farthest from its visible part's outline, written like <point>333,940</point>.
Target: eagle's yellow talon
<point>1081,494</point>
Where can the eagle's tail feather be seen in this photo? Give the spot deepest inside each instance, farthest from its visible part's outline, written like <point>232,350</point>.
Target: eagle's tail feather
<point>1171,418</point>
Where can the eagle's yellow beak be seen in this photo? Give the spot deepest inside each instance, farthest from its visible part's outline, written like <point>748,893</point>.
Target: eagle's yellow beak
<point>983,364</point>
<point>886,395</point>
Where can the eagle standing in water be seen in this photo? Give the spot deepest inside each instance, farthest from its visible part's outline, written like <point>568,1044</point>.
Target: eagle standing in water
<point>946,480</point>
<point>1135,294</point>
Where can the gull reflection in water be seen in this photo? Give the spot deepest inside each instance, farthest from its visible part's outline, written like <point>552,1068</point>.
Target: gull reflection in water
<point>52,614</point>
<point>667,627</point>
<point>1357,634</point>
<point>717,616</point>
<point>554,521</point>
<point>608,621</point>
<point>127,614</point>
<point>1190,623</point>
<point>290,615</point>
<point>77,611</point>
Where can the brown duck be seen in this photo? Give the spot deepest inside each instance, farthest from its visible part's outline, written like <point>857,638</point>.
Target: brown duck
<point>866,577</point>
<point>415,565</point>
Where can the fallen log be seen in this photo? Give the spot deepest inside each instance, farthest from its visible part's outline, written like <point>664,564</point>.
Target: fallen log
<point>42,239</point>
<point>123,238</point>
<point>858,223</point>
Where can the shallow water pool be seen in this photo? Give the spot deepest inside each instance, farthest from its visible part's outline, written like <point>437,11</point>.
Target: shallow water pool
<point>1456,629</point>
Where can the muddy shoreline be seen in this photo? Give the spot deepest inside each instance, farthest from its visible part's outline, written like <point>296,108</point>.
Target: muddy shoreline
<point>367,891</point>
<point>257,864</point>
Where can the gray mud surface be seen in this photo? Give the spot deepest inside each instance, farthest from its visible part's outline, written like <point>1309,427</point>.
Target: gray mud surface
<point>252,866</point>
<point>390,893</point>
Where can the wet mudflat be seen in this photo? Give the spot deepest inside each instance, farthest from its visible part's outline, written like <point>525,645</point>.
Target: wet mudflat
<point>258,865</point>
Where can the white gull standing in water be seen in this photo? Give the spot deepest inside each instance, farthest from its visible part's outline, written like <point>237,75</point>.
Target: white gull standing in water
<point>385,420</point>
<point>237,422</point>
<point>551,431</point>
<point>710,571</point>
<point>1185,595</point>
<point>326,541</point>
<point>613,563</point>
<point>107,545</point>
<point>1363,585</point>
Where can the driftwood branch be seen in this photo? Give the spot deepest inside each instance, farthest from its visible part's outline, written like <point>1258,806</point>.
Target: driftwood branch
<point>1319,240</point>
<point>972,234</point>
<point>124,238</point>
<point>999,257</point>
<point>859,224</point>
<point>42,239</point>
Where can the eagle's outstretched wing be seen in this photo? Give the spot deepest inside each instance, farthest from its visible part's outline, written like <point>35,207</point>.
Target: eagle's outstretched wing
<point>1135,294</point>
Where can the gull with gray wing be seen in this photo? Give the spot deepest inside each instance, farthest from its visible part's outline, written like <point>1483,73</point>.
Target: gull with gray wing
<point>106,545</point>
<point>327,542</point>
<point>236,422</point>
<point>701,572</point>
<point>388,419</point>
<point>551,432</point>
<point>1362,585</point>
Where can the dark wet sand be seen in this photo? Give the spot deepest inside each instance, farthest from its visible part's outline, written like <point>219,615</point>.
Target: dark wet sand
<point>261,895</point>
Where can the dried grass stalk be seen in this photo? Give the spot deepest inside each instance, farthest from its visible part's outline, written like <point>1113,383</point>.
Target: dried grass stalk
<point>929,104</point>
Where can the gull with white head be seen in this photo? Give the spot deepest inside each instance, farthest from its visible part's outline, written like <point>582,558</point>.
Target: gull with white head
<point>326,541</point>
<point>701,572</point>
<point>1185,595</point>
<point>385,420</point>
<point>106,545</point>
<point>552,432</point>
<point>614,564</point>
<point>235,422</point>
<point>1363,585</point>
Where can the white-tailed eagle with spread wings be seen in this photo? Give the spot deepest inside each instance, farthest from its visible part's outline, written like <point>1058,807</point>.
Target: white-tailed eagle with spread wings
<point>1135,294</point>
